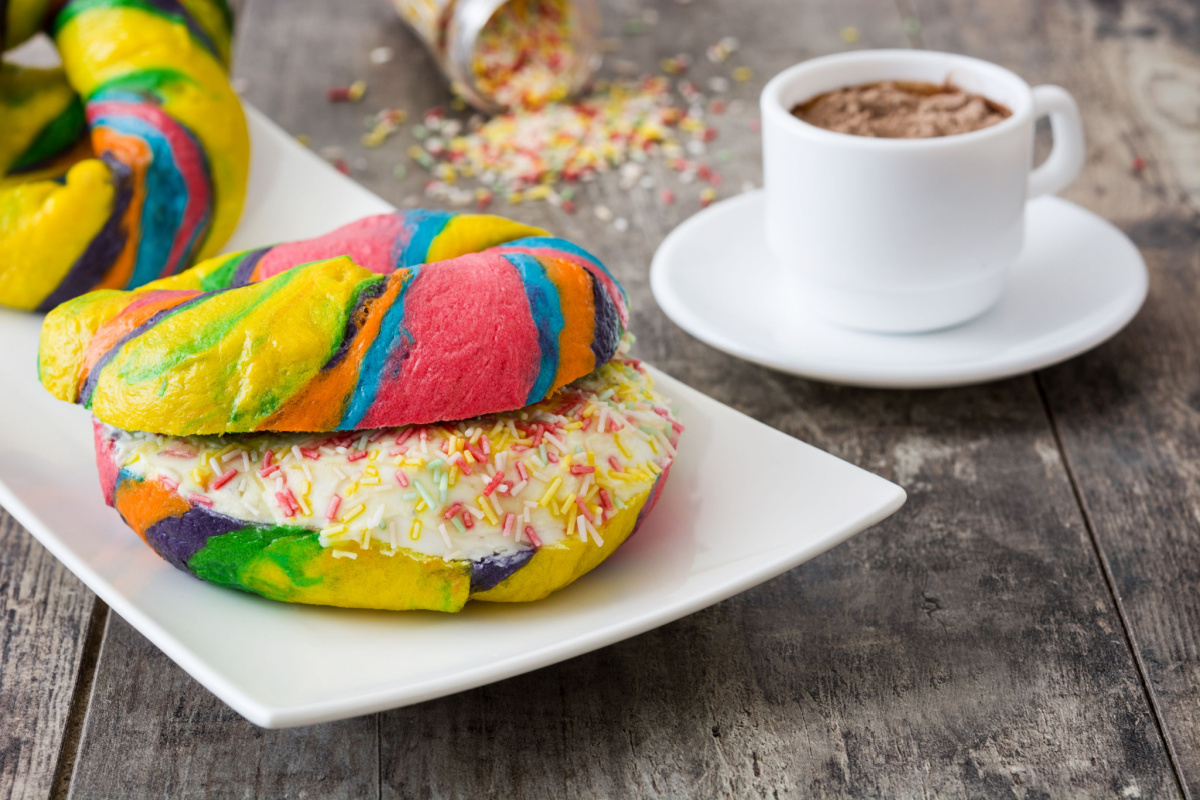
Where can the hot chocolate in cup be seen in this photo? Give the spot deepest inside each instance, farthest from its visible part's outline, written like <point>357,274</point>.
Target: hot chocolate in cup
<point>904,235</point>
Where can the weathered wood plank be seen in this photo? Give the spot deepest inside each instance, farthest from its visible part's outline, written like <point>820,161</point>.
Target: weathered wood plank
<point>1127,413</point>
<point>151,731</point>
<point>44,617</point>
<point>1123,411</point>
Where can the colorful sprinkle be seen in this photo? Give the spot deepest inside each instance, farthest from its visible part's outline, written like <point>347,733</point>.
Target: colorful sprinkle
<point>347,94</point>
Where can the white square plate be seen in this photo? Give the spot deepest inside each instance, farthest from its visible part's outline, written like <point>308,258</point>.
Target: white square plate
<point>710,537</point>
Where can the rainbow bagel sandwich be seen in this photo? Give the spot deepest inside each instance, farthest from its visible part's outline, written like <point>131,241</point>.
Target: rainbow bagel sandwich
<point>127,164</point>
<point>373,429</point>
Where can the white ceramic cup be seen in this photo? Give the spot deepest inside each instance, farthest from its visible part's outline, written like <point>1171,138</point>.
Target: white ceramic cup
<point>906,235</point>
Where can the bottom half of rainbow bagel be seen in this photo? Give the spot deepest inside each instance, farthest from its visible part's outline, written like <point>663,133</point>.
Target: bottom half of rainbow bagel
<point>507,507</point>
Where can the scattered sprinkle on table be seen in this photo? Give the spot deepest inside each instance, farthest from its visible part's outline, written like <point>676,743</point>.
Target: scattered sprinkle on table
<point>381,55</point>
<point>535,154</point>
<point>383,124</point>
<point>717,52</point>
<point>643,129</point>
<point>347,94</point>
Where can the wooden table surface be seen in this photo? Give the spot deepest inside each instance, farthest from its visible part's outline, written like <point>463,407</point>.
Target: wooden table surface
<point>1027,626</point>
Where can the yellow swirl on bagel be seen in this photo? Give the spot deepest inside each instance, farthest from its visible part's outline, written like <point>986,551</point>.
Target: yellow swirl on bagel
<point>167,180</point>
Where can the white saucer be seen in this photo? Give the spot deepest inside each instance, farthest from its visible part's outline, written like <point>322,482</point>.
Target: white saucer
<point>1078,282</point>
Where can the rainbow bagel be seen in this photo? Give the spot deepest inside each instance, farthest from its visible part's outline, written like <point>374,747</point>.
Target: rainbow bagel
<point>272,340</point>
<point>159,178</point>
<point>506,508</point>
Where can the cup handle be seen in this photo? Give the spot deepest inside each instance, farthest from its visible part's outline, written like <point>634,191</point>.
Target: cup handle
<point>1066,156</point>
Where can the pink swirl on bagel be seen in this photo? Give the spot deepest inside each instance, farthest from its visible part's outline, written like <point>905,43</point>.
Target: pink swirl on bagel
<point>475,357</point>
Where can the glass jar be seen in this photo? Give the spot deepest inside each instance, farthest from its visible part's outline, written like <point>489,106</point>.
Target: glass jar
<point>451,29</point>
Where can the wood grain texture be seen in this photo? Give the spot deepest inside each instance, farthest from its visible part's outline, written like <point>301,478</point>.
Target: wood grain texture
<point>1128,412</point>
<point>44,615</point>
<point>152,731</point>
<point>968,646</point>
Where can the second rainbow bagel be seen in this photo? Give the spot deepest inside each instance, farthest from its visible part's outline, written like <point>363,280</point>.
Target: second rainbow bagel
<point>331,344</point>
<point>160,179</point>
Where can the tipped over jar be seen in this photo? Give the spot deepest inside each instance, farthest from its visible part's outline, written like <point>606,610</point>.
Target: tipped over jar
<point>509,54</point>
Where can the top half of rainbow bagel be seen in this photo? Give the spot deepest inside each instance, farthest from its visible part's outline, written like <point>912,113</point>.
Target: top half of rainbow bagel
<point>397,319</point>
<point>129,162</point>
